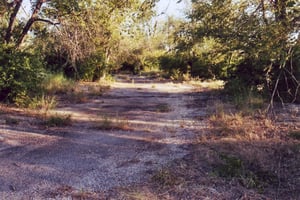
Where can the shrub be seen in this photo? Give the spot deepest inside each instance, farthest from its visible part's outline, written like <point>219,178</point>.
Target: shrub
<point>171,63</point>
<point>20,76</point>
<point>92,68</point>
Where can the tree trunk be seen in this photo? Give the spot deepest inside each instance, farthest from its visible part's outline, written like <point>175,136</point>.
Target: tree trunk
<point>12,20</point>
<point>33,18</point>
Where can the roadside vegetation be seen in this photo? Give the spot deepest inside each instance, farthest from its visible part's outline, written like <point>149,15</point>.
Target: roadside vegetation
<point>255,50</point>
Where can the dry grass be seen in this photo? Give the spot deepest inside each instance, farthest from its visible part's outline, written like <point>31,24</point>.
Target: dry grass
<point>165,178</point>
<point>57,120</point>
<point>239,155</point>
<point>210,84</point>
<point>109,123</point>
<point>239,127</point>
<point>252,150</point>
<point>82,92</point>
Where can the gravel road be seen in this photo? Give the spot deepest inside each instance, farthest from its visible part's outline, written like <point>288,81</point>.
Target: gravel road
<point>155,127</point>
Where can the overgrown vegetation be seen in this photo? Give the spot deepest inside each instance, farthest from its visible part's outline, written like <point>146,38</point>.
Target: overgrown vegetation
<point>252,45</point>
<point>21,74</point>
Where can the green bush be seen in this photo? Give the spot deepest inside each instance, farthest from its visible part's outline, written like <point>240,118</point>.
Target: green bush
<point>92,68</point>
<point>169,63</point>
<point>20,76</point>
<point>202,69</point>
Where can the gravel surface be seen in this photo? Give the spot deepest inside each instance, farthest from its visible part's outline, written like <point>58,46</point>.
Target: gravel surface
<point>156,127</point>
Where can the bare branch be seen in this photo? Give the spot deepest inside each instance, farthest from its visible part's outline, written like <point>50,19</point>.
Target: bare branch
<point>271,104</point>
<point>47,21</point>
<point>29,23</point>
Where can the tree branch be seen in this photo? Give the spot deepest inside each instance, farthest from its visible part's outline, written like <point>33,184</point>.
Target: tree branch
<point>47,21</point>
<point>29,23</point>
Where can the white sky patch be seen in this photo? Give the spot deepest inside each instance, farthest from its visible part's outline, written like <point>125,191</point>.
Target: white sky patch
<point>167,8</point>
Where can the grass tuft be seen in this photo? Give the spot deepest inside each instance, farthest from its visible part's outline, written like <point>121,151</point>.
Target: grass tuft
<point>107,123</point>
<point>43,102</point>
<point>57,121</point>
<point>163,108</point>
<point>57,84</point>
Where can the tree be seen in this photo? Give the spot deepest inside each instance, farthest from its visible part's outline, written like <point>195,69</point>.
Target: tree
<point>93,34</point>
<point>82,36</point>
<point>256,39</point>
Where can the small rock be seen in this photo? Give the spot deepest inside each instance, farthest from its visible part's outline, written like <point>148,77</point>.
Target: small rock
<point>12,188</point>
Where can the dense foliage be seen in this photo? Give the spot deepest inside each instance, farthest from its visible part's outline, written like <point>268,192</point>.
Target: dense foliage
<point>252,45</point>
<point>21,74</point>
<point>80,39</point>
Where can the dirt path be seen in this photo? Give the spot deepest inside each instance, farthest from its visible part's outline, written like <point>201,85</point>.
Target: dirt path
<point>115,140</point>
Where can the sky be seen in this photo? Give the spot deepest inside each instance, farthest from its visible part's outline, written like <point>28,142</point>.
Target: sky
<point>164,8</point>
<point>167,8</point>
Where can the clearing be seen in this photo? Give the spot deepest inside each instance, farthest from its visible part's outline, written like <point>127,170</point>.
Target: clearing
<point>144,139</point>
<point>117,139</point>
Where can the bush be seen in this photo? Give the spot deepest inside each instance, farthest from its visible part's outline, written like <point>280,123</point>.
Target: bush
<point>202,69</point>
<point>170,63</point>
<point>21,75</point>
<point>91,68</point>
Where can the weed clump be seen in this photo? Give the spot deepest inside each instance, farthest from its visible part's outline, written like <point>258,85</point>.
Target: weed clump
<point>57,121</point>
